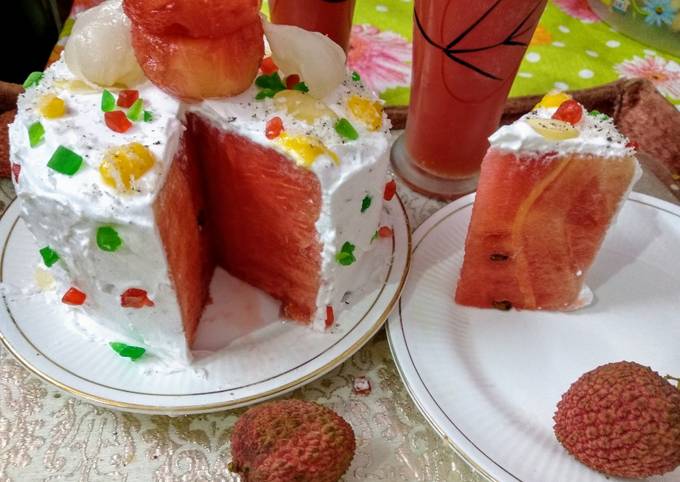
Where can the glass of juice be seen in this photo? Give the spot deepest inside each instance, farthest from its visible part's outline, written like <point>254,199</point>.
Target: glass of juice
<point>330,17</point>
<point>465,57</point>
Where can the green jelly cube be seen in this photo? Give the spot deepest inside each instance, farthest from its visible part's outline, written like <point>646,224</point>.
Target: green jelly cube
<point>148,116</point>
<point>65,161</point>
<point>108,101</point>
<point>346,255</point>
<point>36,133</point>
<point>355,76</point>
<point>49,256</point>
<point>108,239</point>
<point>136,110</point>
<point>366,203</point>
<point>301,86</point>
<point>127,351</point>
<point>33,78</point>
<point>346,130</point>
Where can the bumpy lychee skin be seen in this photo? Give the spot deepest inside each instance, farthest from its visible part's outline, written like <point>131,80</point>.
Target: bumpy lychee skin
<point>291,440</point>
<point>621,419</point>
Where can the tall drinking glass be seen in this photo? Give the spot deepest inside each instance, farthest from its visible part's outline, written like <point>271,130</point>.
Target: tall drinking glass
<point>465,57</point>
<point>330,17</point>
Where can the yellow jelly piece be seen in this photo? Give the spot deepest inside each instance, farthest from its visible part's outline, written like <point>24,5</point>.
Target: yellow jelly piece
<point>43,279</point>
<point>305,149</point>
<point>553,129</point>
<point>367,111</point>
<point>51,106</point>
<point>554,98</point>
<point>303,106</point>
<point>122,166</point>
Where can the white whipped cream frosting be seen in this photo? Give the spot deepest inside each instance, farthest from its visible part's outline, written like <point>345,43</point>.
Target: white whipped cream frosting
<point>64,212</point>
<point>598,136</point>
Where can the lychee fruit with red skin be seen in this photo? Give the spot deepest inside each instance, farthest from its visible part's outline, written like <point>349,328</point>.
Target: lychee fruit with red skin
<point>621,419</point>
<point>291,440</point>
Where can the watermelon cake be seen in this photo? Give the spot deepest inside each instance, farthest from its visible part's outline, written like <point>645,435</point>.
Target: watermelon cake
<point>550,186</point>
<point>272,168</point>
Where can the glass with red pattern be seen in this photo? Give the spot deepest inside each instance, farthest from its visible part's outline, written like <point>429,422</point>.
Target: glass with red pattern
<point>330,17</point>
<point>465,57</point>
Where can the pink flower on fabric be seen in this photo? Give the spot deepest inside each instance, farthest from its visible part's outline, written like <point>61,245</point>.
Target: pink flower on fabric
<point>383,59</point>
<point>578,9</point>
<point>664,74</point>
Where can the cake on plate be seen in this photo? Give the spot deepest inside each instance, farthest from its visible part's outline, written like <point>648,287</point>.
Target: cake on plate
<point>135,191</point>
<point>550,186</point>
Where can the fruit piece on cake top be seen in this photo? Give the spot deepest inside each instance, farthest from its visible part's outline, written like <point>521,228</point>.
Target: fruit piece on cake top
<point>549,187</point>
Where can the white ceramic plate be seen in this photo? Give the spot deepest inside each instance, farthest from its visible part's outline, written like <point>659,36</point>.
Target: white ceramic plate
<point>489,381</point>
<point>262,358</point>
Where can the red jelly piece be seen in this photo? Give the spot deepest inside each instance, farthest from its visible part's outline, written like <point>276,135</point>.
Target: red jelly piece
<point>330,317</point>
<point>74,297</point>
<point>633,145</point>
<point>16,170</point>
<point>274,127</point>
<point>127,97</point>
<point>268,66</point>
<point>135,298</point>
<point>361,386</point>
<point>390,190</point>
<point>569,111</point>
<point>385,232</point>
<point>117,121</point>
<point>292,80</point>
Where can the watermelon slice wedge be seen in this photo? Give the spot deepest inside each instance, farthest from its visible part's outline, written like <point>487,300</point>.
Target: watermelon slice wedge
<point>537,224</point>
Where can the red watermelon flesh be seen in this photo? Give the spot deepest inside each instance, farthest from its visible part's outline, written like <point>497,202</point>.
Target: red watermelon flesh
<point>537,225</point>
<point>262,211</point>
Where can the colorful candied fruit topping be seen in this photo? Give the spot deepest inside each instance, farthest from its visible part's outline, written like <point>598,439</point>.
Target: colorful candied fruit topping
<point>43,279</point>
<point>122,166</point>
<point>269,85</point>
<point>346,130</point>
<point>135,298</point>
<point>108,239</point>
<point>385,232</point>
<point>366,203</point>
<point>127,351</point>
<point>303,107</point>
<point>361,386</point>
<point>65,161</point>
<point>305,149</point>
<point>346,255</point>
<point>330,316</point>
<point>33,79</point>
<point>355,76</point>
<point>51,106</point>
<point>552,129</point>
<point>127,97</point>
<point>49,256</point>
<point>552,99</point>
<point>16,170</point>
<point>268,66</point>
<point>148,116</point>
<point>108,102</point>
<point>596,113</point>
<point>302,87</point>
<point>136,110</point>
<point>569,111</point>
<point>367,111</point>
<point>390,190</point>
<point>633,145</point>
<point>117,121</point>
<point>292,80</point>
<point>74,297</point>
<point>274,127</point>
<point>36,133</point>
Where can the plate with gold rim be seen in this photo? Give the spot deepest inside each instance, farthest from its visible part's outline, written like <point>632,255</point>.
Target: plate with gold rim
<point>257,357</point>
<point>489,381</point>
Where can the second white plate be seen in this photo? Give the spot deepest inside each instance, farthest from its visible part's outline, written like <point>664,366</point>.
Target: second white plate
<point>489,381</point>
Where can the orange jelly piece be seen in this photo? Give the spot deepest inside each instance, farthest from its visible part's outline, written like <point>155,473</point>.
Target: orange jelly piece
<point>367,111</point>
<point>51,106</point>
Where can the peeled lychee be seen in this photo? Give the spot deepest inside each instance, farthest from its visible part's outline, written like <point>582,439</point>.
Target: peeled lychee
<point>621,419</point>
<point>291,440</point>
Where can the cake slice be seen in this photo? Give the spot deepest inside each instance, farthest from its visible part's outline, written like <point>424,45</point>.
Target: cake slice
<point>550,186</point>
